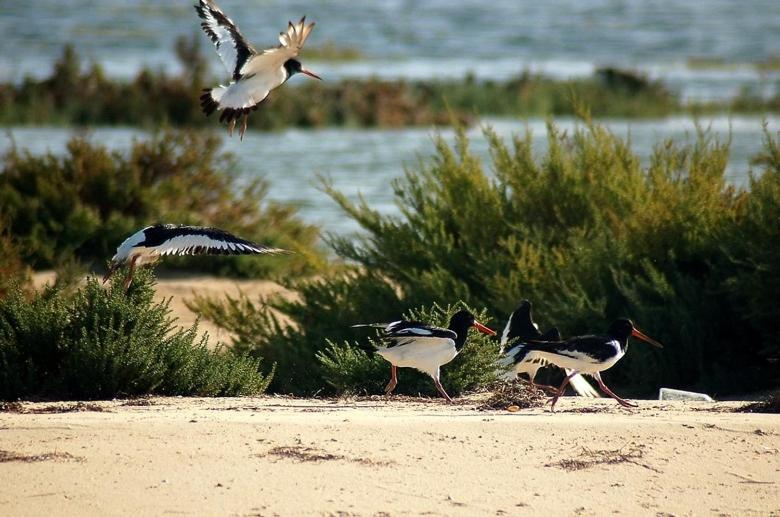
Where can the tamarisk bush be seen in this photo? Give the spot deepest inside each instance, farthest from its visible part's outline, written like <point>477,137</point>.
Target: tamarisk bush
<point>585,230</point>
<point>96,343</point>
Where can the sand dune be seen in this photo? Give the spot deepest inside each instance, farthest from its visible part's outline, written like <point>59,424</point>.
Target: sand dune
<point>280,456</point>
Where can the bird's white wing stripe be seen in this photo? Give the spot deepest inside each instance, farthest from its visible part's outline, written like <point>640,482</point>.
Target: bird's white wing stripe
<point>390,327</point>
<point>184,244</point>
<point>505,334</point>
<point>232,48</point>
<point>414,330</point>
<point>582,386</point>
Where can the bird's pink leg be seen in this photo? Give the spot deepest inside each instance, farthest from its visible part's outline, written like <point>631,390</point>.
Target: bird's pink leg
<point>393,380</point>
<point>622,402</point>
<point>231,125</point>
<point>544,387</point>
<point>243,126</point>
<point>130,273</point>
<point>439,387</point>
<point>561,389</point>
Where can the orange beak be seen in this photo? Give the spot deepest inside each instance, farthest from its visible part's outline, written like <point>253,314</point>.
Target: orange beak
<point>636,333</point>
<point>482,328</point>
<point>310,74</point>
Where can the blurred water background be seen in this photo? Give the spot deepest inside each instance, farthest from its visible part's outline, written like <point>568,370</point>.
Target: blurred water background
<point>703,50</point>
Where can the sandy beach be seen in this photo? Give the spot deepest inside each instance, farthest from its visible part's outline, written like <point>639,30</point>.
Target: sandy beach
<point>282,456</point>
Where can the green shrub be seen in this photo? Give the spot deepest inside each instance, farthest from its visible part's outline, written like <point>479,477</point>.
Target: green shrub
<point>13,271</point>
<point>84,204</point>
<point>324,309</point>
<point>347,368</point>
<point>98,343</point>
<point>585,231</point>
<point>154,98</point>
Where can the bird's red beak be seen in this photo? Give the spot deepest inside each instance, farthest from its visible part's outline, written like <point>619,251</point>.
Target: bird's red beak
<point>310,74</point>
<point>482,328</point>
<point>636,333</point>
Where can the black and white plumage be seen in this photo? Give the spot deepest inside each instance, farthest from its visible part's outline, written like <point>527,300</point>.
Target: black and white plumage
<point>253,73</point>
<point>516,359</point>
<point>589,355</point>
<point>148,245</point>
<point>414,344</point>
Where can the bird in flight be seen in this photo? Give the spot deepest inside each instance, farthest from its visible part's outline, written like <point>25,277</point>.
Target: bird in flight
<point>253,73</point>
<point>148,245</point>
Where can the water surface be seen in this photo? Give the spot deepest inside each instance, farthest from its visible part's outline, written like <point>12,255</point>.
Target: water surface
<point>365,161</point>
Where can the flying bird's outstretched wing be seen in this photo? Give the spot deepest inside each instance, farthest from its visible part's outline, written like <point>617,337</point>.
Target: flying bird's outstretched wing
<point>198,240</point>
<point>291,42</point>
<point>231,45</point>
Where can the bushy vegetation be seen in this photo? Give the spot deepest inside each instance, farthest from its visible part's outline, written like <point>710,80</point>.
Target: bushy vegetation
<point>13,271</point>
<point>307,359</point>
<point>585,231</point>
<point>348,368</point>
<point>74,95</point>
<point>84,204</point>
<point>96,343</point>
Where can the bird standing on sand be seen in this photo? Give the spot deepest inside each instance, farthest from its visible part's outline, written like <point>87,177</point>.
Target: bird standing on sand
<point>253,73</point>
<point>588,354</point>
<point>414,344</point>
<point>146,246</point>
<point>516,360</point>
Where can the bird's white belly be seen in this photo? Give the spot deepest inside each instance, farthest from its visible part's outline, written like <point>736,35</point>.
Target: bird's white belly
<point>529,365</point>
<point>426,358</point>
<point>248,92</point>
<point>577,361</point>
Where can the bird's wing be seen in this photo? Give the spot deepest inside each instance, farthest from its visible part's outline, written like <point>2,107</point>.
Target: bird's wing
<point>404,332</point>
<point>407,332</point>
<point>197,240</point>
<point>291,42</point>
<point>582,386</point>
<point>552,334</point>
<point>520,325</point>
<point>232,47</point>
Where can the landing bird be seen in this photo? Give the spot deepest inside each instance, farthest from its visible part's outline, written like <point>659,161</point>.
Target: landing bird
<point>413,344</point>
<point>516,360</point>
<point>253,73</point>
<point>589,354</point>
<point>148,245</point>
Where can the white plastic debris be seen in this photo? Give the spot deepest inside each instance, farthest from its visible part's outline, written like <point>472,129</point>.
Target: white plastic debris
<point>670,394</point>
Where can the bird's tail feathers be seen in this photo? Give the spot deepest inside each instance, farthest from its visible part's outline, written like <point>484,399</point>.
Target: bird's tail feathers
<point>582,386</point>
<point>374,325</point>
<point>210,98</point>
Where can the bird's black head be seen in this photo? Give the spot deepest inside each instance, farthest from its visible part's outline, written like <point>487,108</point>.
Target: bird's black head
<point>460,323</point>
<point>622,328</point>
<point>293,66</point>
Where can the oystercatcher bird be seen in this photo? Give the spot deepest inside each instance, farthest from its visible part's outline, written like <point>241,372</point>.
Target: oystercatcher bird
<point>146,246</point>
<point>414,344</point>
<point>253,73</point>
<point>516,360</point>
<point>589,355</point>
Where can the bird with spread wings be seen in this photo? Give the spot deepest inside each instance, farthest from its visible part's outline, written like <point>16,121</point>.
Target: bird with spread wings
<point>253,73</point>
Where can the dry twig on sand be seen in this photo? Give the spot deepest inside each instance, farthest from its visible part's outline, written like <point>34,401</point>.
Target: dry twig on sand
<point>512,394</point>
<point>771,404</point>
<point>590,458</point>
<point>8,456</point>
